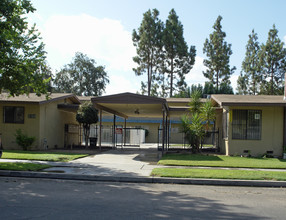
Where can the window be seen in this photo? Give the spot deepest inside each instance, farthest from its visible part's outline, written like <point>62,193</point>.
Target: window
<point>14,114</point>
<point>246,124</point>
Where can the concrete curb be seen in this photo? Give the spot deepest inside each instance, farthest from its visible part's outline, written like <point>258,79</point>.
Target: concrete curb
<point>215,182</point>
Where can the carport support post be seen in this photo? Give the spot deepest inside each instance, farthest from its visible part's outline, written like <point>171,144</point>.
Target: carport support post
<point>163,131</point>
<point>124,131</point>
<point>114,119</point>
<point>100,127</point>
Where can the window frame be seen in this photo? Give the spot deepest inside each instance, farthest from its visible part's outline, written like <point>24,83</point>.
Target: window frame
<point>15,120</point>
<point>250,128</point>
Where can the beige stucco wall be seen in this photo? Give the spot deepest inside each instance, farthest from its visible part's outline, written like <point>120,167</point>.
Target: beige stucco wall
<point>29,127</point>
<point>52,122</point>
<point>271,134</point>
<point>48,124</point>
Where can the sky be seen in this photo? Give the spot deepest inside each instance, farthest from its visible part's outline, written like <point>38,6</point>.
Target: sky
<point>103,31</point>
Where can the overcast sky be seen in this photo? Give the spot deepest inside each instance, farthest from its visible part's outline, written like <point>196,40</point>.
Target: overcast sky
<point>102,30</point>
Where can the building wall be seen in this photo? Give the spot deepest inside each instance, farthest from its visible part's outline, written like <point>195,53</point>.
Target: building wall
<point>30,126</point>
<point>52,129</point>
<point>271,134</point>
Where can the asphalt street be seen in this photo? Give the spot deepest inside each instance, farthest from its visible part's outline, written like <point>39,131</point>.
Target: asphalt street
<point>34,198</point>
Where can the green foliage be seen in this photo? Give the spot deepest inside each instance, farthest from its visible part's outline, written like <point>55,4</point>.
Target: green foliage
<point>250,77</point>
<point>24,140</point>
<point>178,61</point>
<point>195,102</point>
<point>148,43</point>
<point>193,125</point>
<point>273,61</point>
<point>21,52</point>
<point>208,113</point>
<point>87,115</point>
<point>82,77</point>
<point>218,52</point>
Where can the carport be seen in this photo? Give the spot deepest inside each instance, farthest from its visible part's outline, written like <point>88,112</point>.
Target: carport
<point>133,105</point>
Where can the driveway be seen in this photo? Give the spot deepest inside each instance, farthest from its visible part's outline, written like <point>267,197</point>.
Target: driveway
<point>121,162</point>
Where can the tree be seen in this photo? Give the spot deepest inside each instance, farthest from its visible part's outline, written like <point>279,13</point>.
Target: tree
<point>218,52</point>
<point>242,84</point>
<point>193,124</point>
<point>195,103</point>
<point>273,61</point>
<point>248,83</point>
<point>21,52</point>
<point>87,115</point>
<point>148,43</point>
<point>208,113</point>
<point>178,61</point>
<point>225,88</point>
<point>82,77</point>
<point>209,88</point>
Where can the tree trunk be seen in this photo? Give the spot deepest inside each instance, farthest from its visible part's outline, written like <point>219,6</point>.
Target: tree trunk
<point>149,82</point>
<point>217,82</point>
<point>272,82</point>
<point>86,130</point>
<point>171,82</point>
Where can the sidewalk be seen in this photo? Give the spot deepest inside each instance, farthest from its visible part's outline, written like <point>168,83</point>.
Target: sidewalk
<point>126,165</point>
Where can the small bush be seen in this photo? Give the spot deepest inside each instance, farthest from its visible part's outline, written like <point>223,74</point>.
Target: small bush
<point>24,140</point>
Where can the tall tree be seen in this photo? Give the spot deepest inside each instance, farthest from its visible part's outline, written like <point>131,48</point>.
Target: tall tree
<point>218,52</point>
<point>178,60</point>
<point>21,52</point>
<point>148,43</point>
<point>251,69</point>
<point>273,62</point>
<point>82,77</point>
<point>242,84</point>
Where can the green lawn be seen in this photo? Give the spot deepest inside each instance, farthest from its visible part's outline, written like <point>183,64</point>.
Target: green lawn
<point>44,156</point>
<point>22,166</point>
<point>221,161</point>
<point>219,174</point>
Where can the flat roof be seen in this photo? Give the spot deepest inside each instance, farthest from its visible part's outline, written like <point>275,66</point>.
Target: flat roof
<point>249,100</point>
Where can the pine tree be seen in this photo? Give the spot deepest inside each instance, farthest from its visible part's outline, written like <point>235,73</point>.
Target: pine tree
<point>178,60</point>
<point>218,52</point>
<point>148,43</point>
<point>242,85</point>
<point>251,69</point>
<point>273,61</point>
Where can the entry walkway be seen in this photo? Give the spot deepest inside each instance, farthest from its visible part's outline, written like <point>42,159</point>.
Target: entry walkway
<point>121,162</point>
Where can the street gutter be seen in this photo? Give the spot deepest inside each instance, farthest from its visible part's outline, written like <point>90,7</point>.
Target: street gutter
<point>161,180</point>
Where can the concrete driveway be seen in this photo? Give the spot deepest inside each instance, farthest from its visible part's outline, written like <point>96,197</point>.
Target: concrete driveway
<point>121,162</point>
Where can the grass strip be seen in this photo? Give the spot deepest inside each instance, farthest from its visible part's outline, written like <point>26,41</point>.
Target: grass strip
<point>219,174</point>
<point>43,156</point>
<point>221,161</point>
<point>22,166</point>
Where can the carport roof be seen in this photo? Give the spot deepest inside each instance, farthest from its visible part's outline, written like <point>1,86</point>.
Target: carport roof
<point>131,105</point>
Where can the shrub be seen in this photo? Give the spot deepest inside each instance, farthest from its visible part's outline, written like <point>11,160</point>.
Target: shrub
<point>24,140</point>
